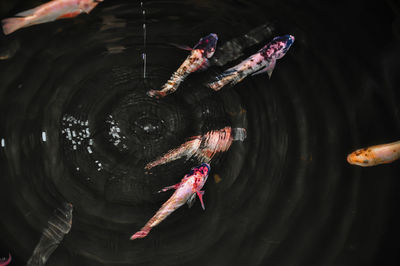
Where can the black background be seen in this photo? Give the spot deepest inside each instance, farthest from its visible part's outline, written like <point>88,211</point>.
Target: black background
<point>287,195</point>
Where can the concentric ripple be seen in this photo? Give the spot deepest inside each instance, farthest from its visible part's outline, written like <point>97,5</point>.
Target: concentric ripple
<point>77,126</point>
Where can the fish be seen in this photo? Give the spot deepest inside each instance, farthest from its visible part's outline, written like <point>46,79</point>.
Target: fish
<point>198,59</point>
<point>374,155</point>
<point>185,192</point>
<point>50,11</point>
<point>203,147</point>
<point>6,262</point>
<point>262,61</point>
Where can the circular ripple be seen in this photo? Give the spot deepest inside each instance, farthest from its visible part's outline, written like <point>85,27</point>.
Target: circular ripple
<point>77,126</point>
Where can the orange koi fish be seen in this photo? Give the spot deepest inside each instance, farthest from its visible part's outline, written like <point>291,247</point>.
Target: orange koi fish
<point>203,147</point>
<point>53,10</point>
<point>185,192</point>
<point>374,155</point>
<point>198,59</point>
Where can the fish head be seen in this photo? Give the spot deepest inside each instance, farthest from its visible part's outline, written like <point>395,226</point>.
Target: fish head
<point>87,5</point>
<point>280,45</point>
<point>361,157</point>
<point>207,45</point>
<point>200,174</point>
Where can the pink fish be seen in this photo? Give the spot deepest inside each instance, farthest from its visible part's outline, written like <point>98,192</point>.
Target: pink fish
<point>203,147</point>
<point>374,155</point>
<point>185,192</point>
<point>5,262</point>
<point>53,10</point>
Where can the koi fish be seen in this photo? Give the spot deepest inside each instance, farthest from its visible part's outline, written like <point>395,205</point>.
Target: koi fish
<point>53,10</point>
<point>374,155</point>
<point>203,147</point>
<point>198,59</point>
<point>6,262</point>
<point>185,192</point>
<point>263,61</point>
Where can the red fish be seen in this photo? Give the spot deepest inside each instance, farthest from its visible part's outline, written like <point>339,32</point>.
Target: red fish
<point>203,147</point>
<point>185,192</point>
<point>198,59</point>
<point>53,10</point>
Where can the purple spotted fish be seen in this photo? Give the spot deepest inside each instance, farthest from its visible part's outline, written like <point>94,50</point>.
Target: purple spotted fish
<point>263,61</point>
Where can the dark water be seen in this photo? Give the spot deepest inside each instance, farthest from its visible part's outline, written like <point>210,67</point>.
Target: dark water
<point>287,195</point>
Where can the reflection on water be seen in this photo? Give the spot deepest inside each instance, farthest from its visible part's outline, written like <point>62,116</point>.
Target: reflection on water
<point>77,126</point>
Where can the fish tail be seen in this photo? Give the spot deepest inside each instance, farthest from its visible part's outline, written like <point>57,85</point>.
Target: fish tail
<point>156,94</point>
<point>12,24</point>
<point>142,233</point>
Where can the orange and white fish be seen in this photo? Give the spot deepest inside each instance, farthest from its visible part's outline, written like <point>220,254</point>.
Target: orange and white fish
<point>203,147</point>
<point>198,59</point>
<point>53,10</point>
<point>185,192</point>
<point>5,262</point>
<point>374,155</point>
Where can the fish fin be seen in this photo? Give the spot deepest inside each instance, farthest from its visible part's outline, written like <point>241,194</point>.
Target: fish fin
<point>142,233</point>
<point>156,94</point>
<point>260,71</point>
<point>183,47</point>
<point>12,24</point>
<point>169,187</point>
<point>70,15</point>
<point>191,200</point>
<point>271,68</point>
<point>200,194</point>
<point>26,13</point>
<point>239,134</point>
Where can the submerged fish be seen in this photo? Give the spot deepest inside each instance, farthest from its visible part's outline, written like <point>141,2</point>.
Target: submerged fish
<point>198,59</point>
<point>185,192</point>
<point>5,262</point>
<point>374,155</point>
<point>203,147</point>
<point>53,10</point>
<point>263,61</point>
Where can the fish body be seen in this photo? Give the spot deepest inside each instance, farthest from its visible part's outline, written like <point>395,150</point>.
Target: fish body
<point>198,59</point>
<point>263,61</point>
<point>374,155</point>
<point>185,192</point>
<point>53,10</point>
<point>6,262</point>
<point>202,147</point>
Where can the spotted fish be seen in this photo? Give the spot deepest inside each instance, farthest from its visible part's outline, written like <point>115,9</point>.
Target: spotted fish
<point>374,155</point>
<point>198,59</point>
<point>263,61</point>
<point>185,192</point>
